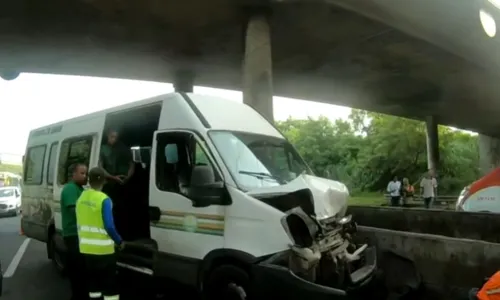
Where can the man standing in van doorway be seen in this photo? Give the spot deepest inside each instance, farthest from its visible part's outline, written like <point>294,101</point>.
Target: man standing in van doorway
<point>428,188</point>
<point>116,160</point>
<point>75,262</point>
<point>118,165</point>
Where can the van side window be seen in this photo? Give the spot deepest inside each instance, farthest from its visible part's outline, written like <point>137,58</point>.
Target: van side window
<point>181,163</point>
<point>33,166</point>
<point>75,150</point>
<point>51,166</point>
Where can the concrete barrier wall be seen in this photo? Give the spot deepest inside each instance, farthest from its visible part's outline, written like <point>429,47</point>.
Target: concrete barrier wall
<point>449,266</point>
<point>478,226</point>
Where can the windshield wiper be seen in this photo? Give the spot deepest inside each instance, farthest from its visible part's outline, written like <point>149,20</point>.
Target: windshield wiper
<point>260,175</point>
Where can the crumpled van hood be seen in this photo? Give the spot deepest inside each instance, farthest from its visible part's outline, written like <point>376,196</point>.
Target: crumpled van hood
<point>329,196</point>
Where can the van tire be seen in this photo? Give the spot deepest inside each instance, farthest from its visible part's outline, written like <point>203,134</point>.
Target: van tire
<point>56,256</point>
<point>227,282</point>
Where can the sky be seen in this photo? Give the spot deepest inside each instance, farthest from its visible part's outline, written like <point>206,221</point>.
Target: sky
<point>35,100</point>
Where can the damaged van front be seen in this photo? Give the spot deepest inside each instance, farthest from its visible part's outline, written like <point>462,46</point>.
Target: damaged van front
<point>322,259</point>
<point>319,257</point>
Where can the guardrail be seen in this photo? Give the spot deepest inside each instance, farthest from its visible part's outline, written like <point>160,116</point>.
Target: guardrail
<point>440,198</point>
<point>456,224</point>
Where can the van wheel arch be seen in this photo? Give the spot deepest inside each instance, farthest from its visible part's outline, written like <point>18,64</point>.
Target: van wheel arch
<point>51,230</point>
<point>52,253</point>
<point>220,257</point>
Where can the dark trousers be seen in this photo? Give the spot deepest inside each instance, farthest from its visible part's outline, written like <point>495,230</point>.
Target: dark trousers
<point>428,202</point>
<point>395,200</point>
<point>102,277</point>
<point>118,194</point>
<point>75,264</point>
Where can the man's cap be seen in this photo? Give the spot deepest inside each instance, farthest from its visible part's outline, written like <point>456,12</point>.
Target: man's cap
<point>96,174</point>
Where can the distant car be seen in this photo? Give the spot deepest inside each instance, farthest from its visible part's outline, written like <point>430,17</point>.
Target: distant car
<point>10,200</point>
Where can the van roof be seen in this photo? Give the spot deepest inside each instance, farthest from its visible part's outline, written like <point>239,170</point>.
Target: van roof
<point>109,110</point>
<point>224,114</point>
<point>221,114</point>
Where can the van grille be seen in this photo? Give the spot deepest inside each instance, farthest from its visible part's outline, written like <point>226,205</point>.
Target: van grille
<point>3,206</point>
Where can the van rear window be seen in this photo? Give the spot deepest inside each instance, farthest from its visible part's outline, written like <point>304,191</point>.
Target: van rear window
<point>33,165</point>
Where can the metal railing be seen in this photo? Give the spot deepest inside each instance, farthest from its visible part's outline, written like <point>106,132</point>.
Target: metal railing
<point>441,199</point>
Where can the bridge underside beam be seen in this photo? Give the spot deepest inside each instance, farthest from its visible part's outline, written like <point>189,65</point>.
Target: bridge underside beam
<point>184,81</point>
<point>257,66</point>
<point>489,153</point>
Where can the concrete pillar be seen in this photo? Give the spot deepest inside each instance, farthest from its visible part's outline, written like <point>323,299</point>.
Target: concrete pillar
<point>489,153</point>
<point>257,66</point>
<point>183,81</point>
<point>432,143</point>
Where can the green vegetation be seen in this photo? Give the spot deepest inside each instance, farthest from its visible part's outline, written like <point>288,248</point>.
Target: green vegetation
<point>11,168</point>
<point>368,149</point>
<point>368,199</point>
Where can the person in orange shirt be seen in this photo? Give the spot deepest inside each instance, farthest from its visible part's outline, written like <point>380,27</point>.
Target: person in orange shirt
<point>489,291</point>
<point>407,191</point>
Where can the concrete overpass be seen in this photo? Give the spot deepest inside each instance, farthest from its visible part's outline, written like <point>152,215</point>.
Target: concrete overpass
<point>430,61</point>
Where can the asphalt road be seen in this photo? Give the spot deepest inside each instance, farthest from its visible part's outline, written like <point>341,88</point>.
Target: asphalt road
<point>34,277</point>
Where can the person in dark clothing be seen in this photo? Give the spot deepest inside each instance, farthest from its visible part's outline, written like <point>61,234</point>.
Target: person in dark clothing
<point>75,262</point>
<point>118,165</point>
<point>116,161</point>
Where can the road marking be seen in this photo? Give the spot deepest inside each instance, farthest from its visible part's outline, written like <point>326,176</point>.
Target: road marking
<point>17,259</point>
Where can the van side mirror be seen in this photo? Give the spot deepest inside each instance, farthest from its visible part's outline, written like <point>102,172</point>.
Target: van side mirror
<point>209,194</point>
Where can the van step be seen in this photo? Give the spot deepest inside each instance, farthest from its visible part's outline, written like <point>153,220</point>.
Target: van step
<point>138,269</point>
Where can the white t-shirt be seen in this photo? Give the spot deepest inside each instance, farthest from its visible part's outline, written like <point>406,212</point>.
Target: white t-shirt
<point>428,185</point>
<point>393,188</point>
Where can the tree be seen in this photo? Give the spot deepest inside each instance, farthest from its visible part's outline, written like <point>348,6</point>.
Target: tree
<point>368,149</point>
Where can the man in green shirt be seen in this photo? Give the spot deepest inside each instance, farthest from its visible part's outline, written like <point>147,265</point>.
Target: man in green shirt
<point>69,196</point>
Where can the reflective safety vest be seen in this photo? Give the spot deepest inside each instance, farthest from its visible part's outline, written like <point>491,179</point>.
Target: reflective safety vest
<point>491,289</point>
<point>92,234</point>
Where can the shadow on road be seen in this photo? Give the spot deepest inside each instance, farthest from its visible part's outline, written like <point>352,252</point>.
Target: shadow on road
<point>135,287</point>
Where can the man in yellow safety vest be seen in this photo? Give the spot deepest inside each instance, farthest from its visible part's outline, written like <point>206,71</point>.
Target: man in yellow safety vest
<point>97,238</point>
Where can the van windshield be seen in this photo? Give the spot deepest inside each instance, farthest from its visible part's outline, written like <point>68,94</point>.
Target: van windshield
<point>257,161</point>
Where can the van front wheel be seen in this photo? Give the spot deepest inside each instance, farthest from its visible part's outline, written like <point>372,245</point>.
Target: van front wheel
<point>227,282</point>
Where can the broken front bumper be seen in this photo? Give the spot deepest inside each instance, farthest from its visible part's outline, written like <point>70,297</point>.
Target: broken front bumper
<point>279,282</point>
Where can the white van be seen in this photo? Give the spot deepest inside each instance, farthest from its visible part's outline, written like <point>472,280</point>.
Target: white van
<point>221,200</point>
